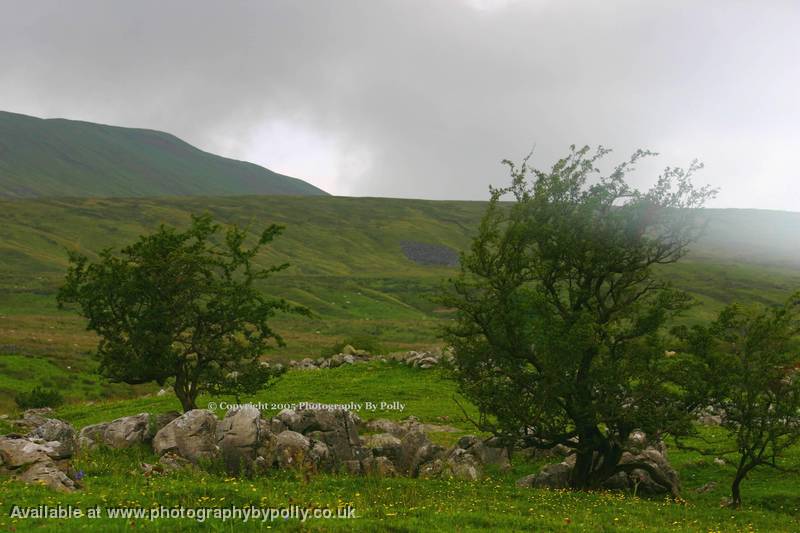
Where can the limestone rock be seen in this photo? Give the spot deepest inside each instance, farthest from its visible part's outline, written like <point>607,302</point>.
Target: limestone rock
<point>58,435</point>
<point>118,434</point>
<point>526,482</point>
<point>292,450</point>
<point>485,453</point>
<point>21,452</point>
<point>192,436</point>
<point>385,445</point>
<point>416,450</point>
<point>338,429</point>
<point>553,476</point>
<point>378,467</point>
<point>348,350</point>
<point>242,436</point>
<point>381,425</point>
<point>663,478</point>
<point>32,463</point>
<point>128,431</point>
<point>47,473</point>
<point>165,418</point>
<point>461,464</point>
<point>172,462</point>
<point>92,436</point>
<point>33,418</point>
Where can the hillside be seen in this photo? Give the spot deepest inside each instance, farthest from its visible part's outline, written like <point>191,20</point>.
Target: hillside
<point>367,267</point>
<point>58,157</point>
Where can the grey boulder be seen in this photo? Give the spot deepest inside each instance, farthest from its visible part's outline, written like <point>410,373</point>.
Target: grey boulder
<point>193,436</point>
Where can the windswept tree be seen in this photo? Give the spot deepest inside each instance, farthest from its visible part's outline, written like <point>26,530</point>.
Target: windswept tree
<point>181,307</point>
<point>746,365</point>
<point>559,333</point>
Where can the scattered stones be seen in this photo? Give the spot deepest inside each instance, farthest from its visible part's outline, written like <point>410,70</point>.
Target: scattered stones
<point>708,487</point>
<point>711,416</point>
<point>352,356</point>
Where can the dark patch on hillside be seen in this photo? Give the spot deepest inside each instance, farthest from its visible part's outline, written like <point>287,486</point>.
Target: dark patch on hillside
<point>430,254</point>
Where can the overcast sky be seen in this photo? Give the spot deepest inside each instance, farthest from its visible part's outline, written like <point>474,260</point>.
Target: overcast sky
<point>424,98</point>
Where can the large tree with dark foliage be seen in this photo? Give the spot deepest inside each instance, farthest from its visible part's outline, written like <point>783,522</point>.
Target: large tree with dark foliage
<point>746,366</point>
<point>181,307</point>
<point>559,334</point>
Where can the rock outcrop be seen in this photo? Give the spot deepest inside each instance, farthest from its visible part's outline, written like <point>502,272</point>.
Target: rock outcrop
<point>307,440</point>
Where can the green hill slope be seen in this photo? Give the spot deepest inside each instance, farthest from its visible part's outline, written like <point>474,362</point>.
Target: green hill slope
<point>350,265</point>
<point>58,157</point>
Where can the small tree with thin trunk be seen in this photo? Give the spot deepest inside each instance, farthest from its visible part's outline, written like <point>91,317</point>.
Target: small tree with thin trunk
<point>181,307</point>
<point>559,333</point>
<point>746,365</point>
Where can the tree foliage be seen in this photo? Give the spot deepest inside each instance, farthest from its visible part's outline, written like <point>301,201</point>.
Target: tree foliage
<point>746,366</point>
<point>181,306</point>
<point>559,336</point>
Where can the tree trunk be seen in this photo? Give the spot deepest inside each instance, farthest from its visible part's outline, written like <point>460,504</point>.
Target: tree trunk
<point>744,468</point>
<point>582,471</point>
<point>185,393</point>
<point>590,441</point>
<point>736,495</point>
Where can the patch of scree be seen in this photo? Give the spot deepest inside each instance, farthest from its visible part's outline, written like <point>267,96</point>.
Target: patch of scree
<point>429,254</point>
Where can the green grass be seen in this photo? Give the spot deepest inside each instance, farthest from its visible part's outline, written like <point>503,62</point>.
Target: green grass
<point>373,382</point>
<point>113,478</point>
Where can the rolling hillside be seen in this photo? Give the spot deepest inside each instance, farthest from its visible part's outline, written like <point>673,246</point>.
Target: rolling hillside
<point>353,264</point>
<point>58,157</point>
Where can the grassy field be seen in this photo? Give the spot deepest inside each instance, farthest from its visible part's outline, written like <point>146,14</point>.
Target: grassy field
<point>113,478</point>
<point>348,267</point>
